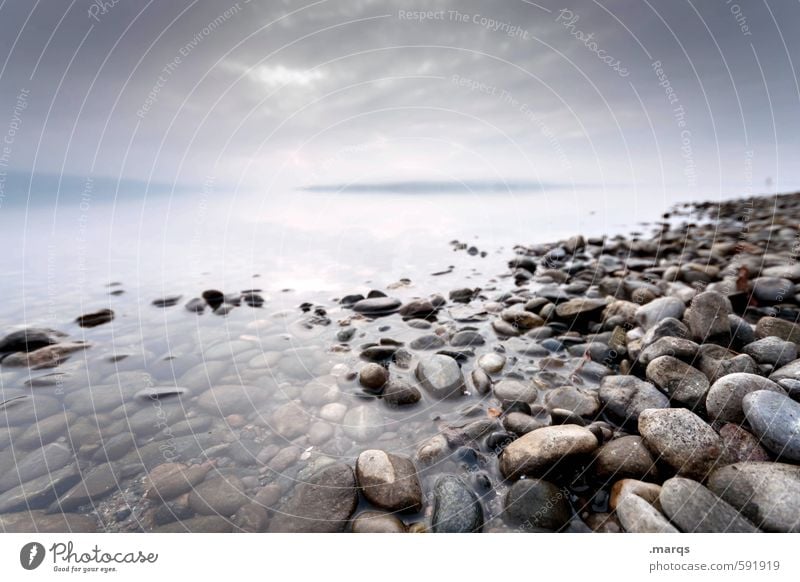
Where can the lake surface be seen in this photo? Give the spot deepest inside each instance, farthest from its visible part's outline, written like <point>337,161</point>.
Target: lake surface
<point>300,249</point>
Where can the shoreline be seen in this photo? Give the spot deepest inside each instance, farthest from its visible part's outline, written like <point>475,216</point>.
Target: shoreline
<point>638,383</point>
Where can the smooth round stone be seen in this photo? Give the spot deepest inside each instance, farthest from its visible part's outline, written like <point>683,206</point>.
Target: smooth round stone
<point>467,338</point>
<point>18,469</point>
<point>290,420</point>
<point>638,516</point>
<point>515,391</point>
<point>772,350</point>
<point>323,504</point>
<point>521,319</point>
<point>170,480</point>
<point>389,481</point>
<point>680,348</point>
<point>650,314</point>
<point>377,306</point>
<point>320,433</point>
<point>724,400</point>
<point>230,399</point>
<point>97,483</point>
<point>580,402</point>
<point>456,507</point>
<point>520,423</point>
<point>623,458</point>
<point>398,393</point>
<point>504,329</point>
<point>772,289</point>
<point>775,420</point>
<point>28,409</point>
<point>441,376</point>
<point>765,493</point>
<point>537,504</point>
<point>363,423</point>
<point>541,449</point>
<point>481,381</point>
<point>773,326</point>
<point>625,397</point>
<point>740,445</point>
<point>221,496</point>
<point>45,431</point>
<point>372,522</point>
<point>321,391</point>
<point>708,315</point>
<point>427,342</point>
<point>678,380</point>
<point>492,363</point>
<point>716,362</point>
<point>373,376</point>
<point>695,509</point>
<point>333,412</point>
<point>39,522</point>
<point>40,492</point>
<point>682,439</point>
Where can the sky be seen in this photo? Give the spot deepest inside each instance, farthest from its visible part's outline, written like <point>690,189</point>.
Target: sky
<point>701,98</point>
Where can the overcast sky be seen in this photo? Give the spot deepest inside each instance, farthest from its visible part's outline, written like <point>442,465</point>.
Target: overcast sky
<point>287,94</point>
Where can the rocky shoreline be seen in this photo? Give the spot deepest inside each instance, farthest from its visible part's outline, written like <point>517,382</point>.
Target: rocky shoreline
<point>648,383</point>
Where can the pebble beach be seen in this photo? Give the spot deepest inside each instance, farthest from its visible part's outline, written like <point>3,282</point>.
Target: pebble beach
<point>638,383</point>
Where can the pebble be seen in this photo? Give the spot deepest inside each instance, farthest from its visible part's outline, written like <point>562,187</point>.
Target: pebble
<point>492,363</point>
<point>399,393</point>
<point>739,445</point>
<point>724,400</point>
<point>623,458</point>
<point>773,326</point>
<point>173,479</point>
<point>578,401</point>
<point>363,423</point>
<point>96,318</point>
<point>681,382</point>
<point>28,340</point>
<point>682,439</point>
<point>695,509</point>
<point>638,516</point>
<point>230,399</point>
<point>765,493</point>
<point>467,338</point>
<point>682,349</point>
<point>521,423</point>
<point>222,495</point>
<point>707,316</point>
<point>625,397</point>
<point>323,504</point>
<point>440,376</point>
<point>96,484</point>
<point>775,419</point>
<point>772,350</point>
<point>377,306</point>
<point>537,504</point>
<point>290,420</point>
<point>389,481</point>
<point>334,412</point>
<point>515,391</point>
<point>372,522</point>
<point>427,342</point>
<point>716,362</point>
<point>373,377</point>
<point>772,289</point>
<point>650,314</point>
<point>456,507</point>
<point>39,492</point>
<point>541,449</point>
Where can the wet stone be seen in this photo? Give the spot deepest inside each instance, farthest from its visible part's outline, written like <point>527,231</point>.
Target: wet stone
<point>467,338</point>
<point>695,509</point>
<point>441,376</point>
<point>389,481</point>
<point>724,401</point>
<point>322,504</point>
<point>537,504</point>
<point>678,380</point>
<point>399,393</point>
<point>775,419</point>
<point>221,495</point>
<point>456,507</point>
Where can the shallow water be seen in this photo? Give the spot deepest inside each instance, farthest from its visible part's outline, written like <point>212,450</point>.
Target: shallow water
<point>293,254</point>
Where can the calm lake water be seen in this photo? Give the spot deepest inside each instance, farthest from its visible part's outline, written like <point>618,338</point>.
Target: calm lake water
<point>295,249</point>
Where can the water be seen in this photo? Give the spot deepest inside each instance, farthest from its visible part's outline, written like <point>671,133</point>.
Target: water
<point>299,248</point>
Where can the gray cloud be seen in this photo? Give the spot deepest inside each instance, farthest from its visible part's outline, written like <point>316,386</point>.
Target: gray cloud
<point>293,94</point>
